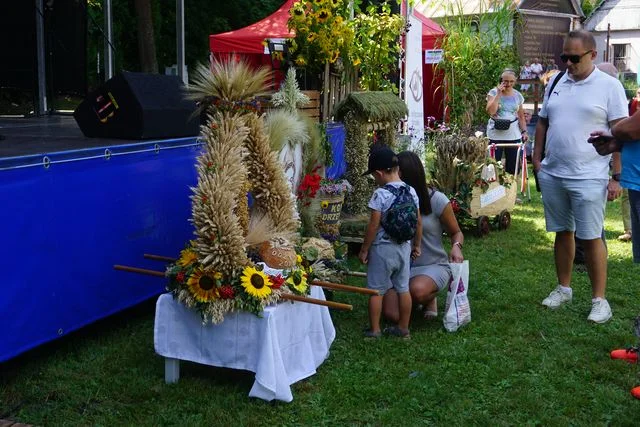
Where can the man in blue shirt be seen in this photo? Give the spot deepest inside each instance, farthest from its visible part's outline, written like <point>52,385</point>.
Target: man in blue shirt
<point>625,137</point>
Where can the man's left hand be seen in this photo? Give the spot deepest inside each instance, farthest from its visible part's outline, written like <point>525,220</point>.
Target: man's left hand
<point>613,190</point>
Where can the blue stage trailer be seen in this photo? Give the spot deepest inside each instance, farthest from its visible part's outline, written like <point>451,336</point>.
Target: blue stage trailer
<point>68,217</point>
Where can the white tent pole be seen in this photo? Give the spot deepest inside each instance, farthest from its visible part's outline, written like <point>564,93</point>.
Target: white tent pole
<point>108,43</point>
<point>180,40</point>
<point>42,86</point>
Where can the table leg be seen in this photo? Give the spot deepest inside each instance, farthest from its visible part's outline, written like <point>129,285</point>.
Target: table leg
<point>171,370</point>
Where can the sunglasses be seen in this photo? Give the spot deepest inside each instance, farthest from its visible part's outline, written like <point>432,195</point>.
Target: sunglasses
<point>573,58</point>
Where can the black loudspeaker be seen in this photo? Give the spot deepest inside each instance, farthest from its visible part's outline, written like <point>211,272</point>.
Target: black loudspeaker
<point>138,106</point>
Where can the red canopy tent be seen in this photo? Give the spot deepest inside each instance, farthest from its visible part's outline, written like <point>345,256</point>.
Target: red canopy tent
<point>432,78</point>
<point>248,40</point>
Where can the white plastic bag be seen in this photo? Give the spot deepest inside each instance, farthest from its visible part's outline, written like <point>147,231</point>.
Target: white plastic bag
<point>457,312</point>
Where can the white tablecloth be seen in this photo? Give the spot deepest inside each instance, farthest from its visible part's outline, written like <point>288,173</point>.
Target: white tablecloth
<point>284,346</point>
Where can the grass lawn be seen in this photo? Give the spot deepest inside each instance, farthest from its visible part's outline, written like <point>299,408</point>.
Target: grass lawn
<point>517,363</point>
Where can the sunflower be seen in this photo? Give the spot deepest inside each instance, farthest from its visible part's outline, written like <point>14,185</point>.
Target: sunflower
<point>203,286</point>
<point>187,257</point>
<point>255,283</point>
<point>311,37</point>
<point>323,15</point>
<point>298,282</point>
<point>324,204</point>
<point>300,61</point>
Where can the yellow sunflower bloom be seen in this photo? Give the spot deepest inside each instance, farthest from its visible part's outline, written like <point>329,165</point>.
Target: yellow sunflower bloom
<point>202,286</point>
<point>300,61</point>
<point>187,257</point>
<point>298,282</point>
<point>356,62</point>
<point>324,204</point>
<point>311,37</point>
<point>299,259</point>
<point>323,15</point>
<point>255,283</point>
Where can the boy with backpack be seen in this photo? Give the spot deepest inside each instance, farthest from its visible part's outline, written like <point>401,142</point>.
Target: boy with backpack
<point>391,240</point>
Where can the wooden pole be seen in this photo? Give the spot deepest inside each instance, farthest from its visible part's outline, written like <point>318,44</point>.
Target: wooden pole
<point>139,270</point>
<point>347,288</point>
<point>160,258</point>
<point>356,273</point>
<point>326,93</point>
<point>330,304</point>
<point>288,297</point>
<point>323,284</point>
<point>327,285</point>
<point>606,52</point>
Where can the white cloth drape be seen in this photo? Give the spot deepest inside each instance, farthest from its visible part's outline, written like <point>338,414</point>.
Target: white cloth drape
<point>284,346</point>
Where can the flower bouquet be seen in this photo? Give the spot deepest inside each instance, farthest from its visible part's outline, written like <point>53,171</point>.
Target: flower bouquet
<point>214,294</point>
<point>320,201</point>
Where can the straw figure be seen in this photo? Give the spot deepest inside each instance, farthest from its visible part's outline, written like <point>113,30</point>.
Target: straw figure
<point>215,274</point>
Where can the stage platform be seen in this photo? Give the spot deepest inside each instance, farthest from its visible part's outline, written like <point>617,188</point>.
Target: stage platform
<point>72,207</point>
<point>44,135</point>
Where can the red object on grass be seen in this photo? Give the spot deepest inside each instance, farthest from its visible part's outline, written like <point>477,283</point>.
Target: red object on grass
<point>630,355</point>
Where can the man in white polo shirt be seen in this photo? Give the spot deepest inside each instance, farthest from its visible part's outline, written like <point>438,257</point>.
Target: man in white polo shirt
<point>573,177</point>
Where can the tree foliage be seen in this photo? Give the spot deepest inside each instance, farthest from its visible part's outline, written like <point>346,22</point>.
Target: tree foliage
<point>377,46</point>
<point>588,6</point>
<point>473,61</point>
<point>202,18</point>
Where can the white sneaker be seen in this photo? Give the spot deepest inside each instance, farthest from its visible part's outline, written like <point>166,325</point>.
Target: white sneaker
<point>556,298</point>
<point>600,311</point>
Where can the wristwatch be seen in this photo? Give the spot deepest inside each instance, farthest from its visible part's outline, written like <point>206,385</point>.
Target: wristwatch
<point>615,177</point>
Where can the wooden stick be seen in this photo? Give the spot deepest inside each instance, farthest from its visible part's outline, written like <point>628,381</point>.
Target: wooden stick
<point>356,273</point>
<point>170,259</point>
<point>289,297</point>
<point>139,270</point>
<point>330,304</point>
<point>347,288</point>
<point>160,258</point>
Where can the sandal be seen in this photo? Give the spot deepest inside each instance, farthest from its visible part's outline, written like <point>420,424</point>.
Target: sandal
<point>398,332</point>
<point>430,315</point>
<point>368,333</point>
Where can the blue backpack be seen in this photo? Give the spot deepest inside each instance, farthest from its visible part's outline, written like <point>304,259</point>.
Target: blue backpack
<point>400,221</point>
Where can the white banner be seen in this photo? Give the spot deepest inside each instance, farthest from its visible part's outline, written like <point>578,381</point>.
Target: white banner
<point>414,91</point>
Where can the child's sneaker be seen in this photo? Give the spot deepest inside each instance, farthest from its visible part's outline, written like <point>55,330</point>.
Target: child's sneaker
<point>600,311</point>
<point>556,298</point>
<point>628,354</point>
